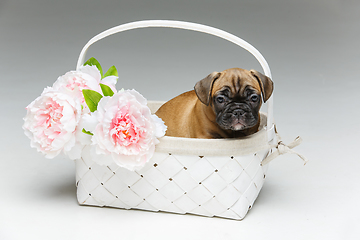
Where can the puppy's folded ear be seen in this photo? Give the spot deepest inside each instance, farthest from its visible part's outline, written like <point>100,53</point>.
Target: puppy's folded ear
<point>203,87</point>
<point>266,85</point>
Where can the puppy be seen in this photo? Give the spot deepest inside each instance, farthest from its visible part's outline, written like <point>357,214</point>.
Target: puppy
<point>222,105</point>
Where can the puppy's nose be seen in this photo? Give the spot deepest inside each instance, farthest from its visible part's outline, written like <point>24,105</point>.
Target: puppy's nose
<point>239,112</point>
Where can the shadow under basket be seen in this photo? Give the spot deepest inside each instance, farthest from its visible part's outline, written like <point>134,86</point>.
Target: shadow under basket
<point>208,177</point>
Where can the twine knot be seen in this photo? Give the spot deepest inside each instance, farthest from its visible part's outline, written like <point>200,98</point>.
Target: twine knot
<point>281,148</point>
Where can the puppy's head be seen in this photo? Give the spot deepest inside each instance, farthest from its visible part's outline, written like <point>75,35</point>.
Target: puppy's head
<point>235,95</point>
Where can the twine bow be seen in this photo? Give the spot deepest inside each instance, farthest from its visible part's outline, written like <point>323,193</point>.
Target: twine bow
<point>282,148</point>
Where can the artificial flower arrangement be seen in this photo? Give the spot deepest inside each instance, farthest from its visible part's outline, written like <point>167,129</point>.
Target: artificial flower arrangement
<point>83,111</point>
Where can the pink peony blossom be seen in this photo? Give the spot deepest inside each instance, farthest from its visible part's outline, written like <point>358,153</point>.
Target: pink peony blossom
<point>51,122</point>
<point>87,77</point>
<point>124,130</point>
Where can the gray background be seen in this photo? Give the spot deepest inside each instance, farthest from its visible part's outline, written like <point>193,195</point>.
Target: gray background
<point>313,52</point>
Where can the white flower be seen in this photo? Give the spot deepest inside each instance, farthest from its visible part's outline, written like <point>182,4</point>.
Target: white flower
<point>124,130</point>
<point>87,77</point>
<point>51,123</point>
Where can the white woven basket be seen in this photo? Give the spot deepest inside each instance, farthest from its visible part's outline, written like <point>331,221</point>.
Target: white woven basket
<point>209,177</point>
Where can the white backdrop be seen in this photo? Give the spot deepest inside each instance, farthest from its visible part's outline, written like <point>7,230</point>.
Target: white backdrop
<point>312,49</point>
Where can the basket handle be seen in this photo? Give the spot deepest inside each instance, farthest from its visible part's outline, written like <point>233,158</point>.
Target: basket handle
<point>188,26</point>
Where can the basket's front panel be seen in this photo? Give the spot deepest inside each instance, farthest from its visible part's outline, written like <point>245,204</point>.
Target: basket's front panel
<point>209,186</point>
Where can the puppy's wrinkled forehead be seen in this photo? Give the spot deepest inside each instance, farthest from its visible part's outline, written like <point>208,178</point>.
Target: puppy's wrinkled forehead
<point>237,80</point>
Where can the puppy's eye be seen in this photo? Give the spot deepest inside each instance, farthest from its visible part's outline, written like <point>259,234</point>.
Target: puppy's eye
<point>220,99</point>
<point>254,98</point>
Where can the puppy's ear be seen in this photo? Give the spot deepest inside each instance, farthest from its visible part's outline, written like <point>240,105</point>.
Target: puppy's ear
<point>203,87</point>
<point>266,85</point>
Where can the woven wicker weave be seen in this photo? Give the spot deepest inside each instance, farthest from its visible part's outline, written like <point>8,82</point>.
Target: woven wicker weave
<point>224,186</point>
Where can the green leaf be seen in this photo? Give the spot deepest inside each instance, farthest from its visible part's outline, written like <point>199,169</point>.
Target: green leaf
<point>107,91</point>
<point>87,132</point>
<point>93,62</point>
<point>111,72</point>
<point>92,99</point>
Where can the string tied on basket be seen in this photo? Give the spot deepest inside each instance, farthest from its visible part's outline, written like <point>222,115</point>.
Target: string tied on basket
<point>281,148</point>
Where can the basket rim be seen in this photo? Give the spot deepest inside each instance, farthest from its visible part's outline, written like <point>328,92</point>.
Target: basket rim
<point>214,147</point>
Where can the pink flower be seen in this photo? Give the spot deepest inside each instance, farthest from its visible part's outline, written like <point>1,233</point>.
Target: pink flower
<point>87,77</point>
<point>124,130</point>
<point>51,123</point>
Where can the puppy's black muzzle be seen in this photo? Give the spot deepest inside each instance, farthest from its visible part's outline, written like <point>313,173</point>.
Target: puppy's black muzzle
<point>236,116</point>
